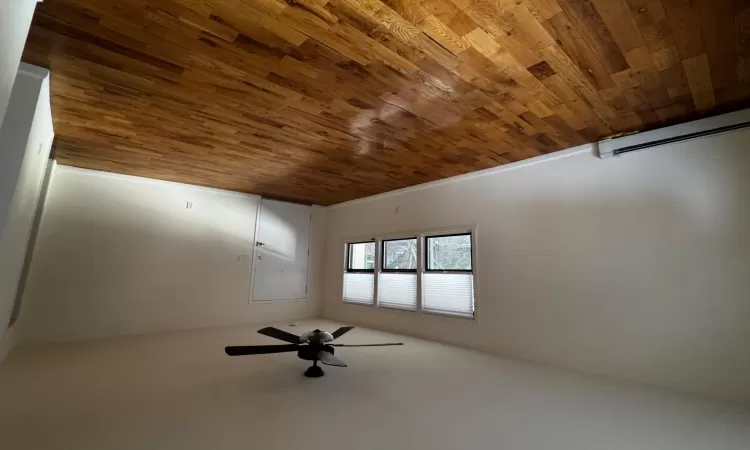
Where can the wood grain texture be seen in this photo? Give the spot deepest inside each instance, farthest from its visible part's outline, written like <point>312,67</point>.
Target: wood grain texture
<point>323,101</point>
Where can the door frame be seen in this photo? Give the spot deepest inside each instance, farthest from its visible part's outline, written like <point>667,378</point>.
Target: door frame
<point>251,299</point>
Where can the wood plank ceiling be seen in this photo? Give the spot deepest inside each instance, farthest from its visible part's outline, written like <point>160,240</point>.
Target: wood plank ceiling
<point>323,101</point>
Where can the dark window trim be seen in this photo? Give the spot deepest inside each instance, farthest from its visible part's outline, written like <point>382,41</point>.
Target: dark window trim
<point>382,255</point>
<point>349,261</point>
<point>427,253</point>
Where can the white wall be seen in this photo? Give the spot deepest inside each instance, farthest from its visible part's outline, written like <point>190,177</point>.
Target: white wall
<point>26,137</point>
<point>30,93</point>
<point>636,267</point>
<point>15,20</point>
<point>123,255</point>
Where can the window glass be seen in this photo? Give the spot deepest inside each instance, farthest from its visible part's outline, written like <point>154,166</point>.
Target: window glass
<point>361,256</point>
<point>400,254</point>
<point>449,253</point>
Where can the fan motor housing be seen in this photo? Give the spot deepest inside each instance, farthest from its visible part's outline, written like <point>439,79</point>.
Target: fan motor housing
<point>316,337</point>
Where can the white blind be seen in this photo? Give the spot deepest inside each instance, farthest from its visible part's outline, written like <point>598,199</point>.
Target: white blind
<point>397,290</point>
<point>449,293</point>
<point>359,288</point>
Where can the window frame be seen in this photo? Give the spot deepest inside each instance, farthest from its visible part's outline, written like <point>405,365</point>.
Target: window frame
<point>383,255</point>
<point>427,269</point>
<point>421,233</point>
<point>347,267</point>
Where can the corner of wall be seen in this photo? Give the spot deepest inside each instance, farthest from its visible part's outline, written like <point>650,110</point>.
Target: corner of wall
<point>318,246</point>
<point>26,137</point>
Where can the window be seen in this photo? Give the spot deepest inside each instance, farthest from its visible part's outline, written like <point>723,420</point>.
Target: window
<point>450,253</point>
<point>448,281</point>
<point>427,272</point>
<point>361,257</point>
<point>400,255</point>
<point>397,282</point>
<point>359,279</point>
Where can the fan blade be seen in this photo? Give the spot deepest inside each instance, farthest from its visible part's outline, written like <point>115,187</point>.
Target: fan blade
<point>340,332</point>
<point>366,345</point>
<point>329,360</point>
<point>239,350</point>
<point>279,334</point>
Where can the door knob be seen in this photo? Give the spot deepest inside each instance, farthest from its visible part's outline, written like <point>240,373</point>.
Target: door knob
<point>260,244</point>
<point>260,257</point>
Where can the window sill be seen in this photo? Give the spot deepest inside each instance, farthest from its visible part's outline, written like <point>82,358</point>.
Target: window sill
<point>398,308</point>
<point>472,317</point>
<point>286,300</point>
<point>346,302</point>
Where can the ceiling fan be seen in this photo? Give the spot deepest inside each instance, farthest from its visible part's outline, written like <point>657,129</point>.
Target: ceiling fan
<point>312,346</point>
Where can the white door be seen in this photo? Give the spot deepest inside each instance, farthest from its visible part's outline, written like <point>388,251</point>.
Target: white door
<point>281,252</point>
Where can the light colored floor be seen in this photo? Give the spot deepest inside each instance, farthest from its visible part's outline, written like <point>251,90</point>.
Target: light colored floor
<point>179,391</point>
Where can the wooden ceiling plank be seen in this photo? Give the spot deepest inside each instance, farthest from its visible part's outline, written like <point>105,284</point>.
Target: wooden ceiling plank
<point>585,17</point>
<point>719,39</point>
<point>684,23</point>
<point>483,42</point>
<point>440,33</point>
<point>384,37</point>
<point>568,37</point>
<point>212,24</point>
<point>616,14</point>
<point>485,14</point>
<point>543,9</point>
<point>699,79</point>
<point>330,100</point>
<point>528,30</point>
<point>354,14</point>
<point>279,27</point>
